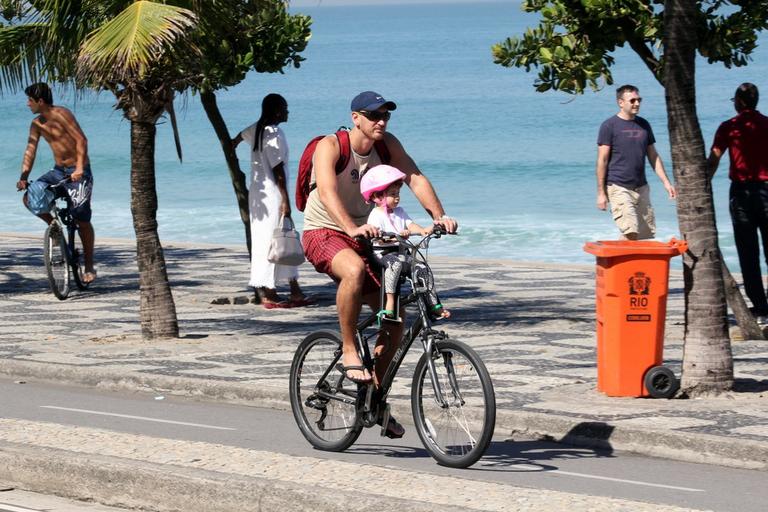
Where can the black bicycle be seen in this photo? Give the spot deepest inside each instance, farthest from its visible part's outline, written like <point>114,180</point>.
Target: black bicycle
<point>452,397</point>
<point>63,249</point>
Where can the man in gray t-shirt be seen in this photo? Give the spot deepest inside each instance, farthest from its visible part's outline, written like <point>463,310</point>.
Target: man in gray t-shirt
<point>623,143</point>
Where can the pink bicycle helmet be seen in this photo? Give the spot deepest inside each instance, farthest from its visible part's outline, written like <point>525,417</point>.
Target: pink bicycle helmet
<point>379,178</point>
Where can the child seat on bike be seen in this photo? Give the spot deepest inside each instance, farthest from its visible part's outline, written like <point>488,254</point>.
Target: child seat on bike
<point>381,185</point>
<point>393,248</point>
<point>393,264</point>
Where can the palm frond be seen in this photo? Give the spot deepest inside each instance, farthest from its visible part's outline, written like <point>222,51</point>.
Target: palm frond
<point>130,43</point>
<point>21,55</point>
<point>40,39</point>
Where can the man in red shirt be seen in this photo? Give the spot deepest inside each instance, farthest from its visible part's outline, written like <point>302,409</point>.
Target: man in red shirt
<point>746,139</point>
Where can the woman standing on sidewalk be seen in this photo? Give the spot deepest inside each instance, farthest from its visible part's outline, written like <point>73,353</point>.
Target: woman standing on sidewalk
<point>269,201</point>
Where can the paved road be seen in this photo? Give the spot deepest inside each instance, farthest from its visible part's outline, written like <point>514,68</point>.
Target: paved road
<point>511,462</point>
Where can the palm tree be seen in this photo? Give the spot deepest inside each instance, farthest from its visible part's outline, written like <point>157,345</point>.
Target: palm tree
<point>707,358</point>
<point>131,48</point>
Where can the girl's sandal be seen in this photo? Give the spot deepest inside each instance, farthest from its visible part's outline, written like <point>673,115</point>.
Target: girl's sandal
<point>386,315</point>
<point>440,313</point>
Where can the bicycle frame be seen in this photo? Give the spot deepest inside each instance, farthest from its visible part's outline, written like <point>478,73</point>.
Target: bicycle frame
<point>62,217</point>
<point>421,325</point>
<point>452,398</point>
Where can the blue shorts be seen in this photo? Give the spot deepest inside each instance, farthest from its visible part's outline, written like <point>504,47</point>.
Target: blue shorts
<point>77,193</point>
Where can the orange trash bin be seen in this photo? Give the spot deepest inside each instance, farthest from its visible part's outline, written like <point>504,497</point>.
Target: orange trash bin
<point>631,307</point>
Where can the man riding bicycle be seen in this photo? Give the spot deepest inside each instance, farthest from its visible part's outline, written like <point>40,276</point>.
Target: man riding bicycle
<point>336,214</point>
<point>58,126</point>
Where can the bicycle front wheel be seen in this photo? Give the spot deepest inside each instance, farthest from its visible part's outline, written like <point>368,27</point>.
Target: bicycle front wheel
<point>457,432</point>
<point>322,400</point>
<point>56,261</point>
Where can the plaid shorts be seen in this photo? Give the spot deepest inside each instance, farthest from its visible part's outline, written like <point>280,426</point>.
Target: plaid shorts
<point>322,245</point>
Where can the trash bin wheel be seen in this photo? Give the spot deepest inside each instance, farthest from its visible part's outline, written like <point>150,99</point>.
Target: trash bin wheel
<point>661,382</point>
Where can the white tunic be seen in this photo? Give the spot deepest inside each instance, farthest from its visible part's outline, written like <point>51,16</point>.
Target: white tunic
<point>264,204</point>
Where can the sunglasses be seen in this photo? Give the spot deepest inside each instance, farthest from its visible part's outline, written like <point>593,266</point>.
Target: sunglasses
<point>635,100</point>
<point>376,115</point>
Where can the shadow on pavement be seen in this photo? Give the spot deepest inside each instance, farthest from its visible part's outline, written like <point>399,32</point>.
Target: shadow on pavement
<point>596,431</point>
<point>509,456</point>
<point>16,282</point>
<point>520,312</point>
<point>528,456</point>
<point>750,385</point>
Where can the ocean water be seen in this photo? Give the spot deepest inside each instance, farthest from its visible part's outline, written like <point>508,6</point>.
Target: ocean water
<point>515,167</point>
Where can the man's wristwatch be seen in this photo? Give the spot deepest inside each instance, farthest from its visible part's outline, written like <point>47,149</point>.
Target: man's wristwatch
<point>443,217</point>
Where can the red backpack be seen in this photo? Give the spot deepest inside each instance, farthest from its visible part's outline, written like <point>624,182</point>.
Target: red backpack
<point>304,177</point>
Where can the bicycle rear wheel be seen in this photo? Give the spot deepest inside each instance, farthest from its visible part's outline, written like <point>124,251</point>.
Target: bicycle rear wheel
<point>458,433</point>
<point>78,261</point>
<point>322,400</point>
<point>56,261</point>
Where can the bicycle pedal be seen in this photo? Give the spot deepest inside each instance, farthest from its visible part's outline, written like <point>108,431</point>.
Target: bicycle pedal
<point>316,402</point>
<point>384,421</point>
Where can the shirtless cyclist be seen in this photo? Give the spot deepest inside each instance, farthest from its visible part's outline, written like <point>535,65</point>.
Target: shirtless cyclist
<point>59,128</point>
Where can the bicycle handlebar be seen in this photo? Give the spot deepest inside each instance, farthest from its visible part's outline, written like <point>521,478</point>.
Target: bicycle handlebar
<point>52,186</point>
<point>436,232</point>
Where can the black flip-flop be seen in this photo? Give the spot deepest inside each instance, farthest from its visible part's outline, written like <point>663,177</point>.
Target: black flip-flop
<point>344,369</point>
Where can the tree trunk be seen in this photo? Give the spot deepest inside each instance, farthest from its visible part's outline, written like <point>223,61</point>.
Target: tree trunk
<point>747,323</point>
<point>707,359</point>
<point>158,311</point>
<point>237,176</point>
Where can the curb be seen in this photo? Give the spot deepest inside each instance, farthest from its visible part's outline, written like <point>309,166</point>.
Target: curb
<point>131,484</point>
<point>682,446</point>
<point>52,373</point>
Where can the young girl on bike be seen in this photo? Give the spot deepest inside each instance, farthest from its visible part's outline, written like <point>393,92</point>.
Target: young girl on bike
<point>381,185</point>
